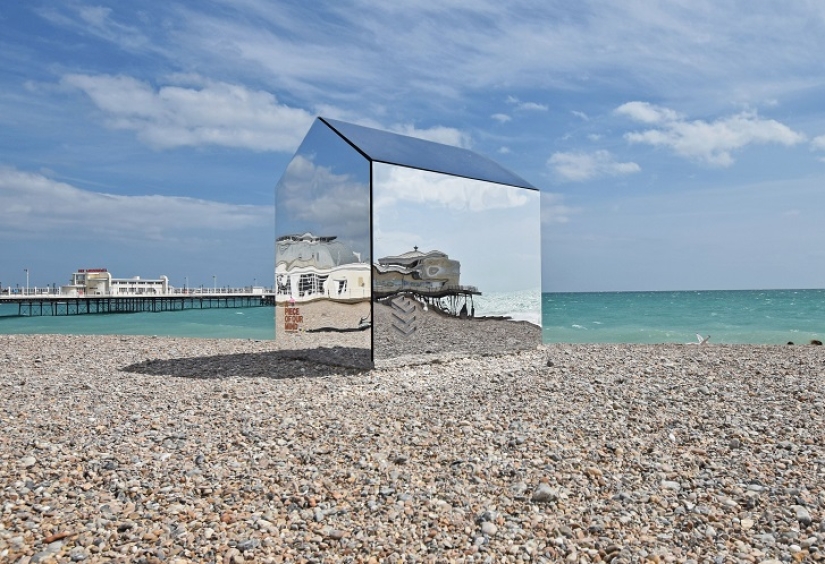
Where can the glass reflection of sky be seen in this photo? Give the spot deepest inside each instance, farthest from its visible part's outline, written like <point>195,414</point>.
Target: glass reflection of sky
<point>392,148</point>
<point>493,230</point>
<point>325,191</point>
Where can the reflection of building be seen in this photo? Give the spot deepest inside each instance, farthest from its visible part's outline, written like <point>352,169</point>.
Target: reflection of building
<point>99,282</point>
<point>432,277</point>
<point>415,270</point>
<point>310,267</point>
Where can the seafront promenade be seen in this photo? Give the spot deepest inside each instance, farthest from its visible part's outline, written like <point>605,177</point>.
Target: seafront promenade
<point>36,303</point>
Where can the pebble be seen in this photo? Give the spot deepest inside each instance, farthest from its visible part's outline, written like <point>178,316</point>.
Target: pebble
<point>489,528</point>
<point>543,494</point>
<point>28,461</point>
<point>178,450</point>
<point>802,515</point>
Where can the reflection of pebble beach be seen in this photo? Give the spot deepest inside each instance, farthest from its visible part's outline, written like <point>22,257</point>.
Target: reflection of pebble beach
<point>348,348</point>
<point>181,450</point>
<point>438,335</point>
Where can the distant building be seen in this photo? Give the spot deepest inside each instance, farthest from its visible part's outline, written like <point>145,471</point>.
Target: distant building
<point>310,267</point>
<point>432,272</point>
<point>432,277</point>
<point>100,282</point>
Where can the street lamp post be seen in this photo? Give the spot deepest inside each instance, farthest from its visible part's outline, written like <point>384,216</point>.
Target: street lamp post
<point>214,284</point>
<point>26,270</point>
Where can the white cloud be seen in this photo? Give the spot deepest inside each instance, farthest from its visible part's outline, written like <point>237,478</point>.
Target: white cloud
<point>34,204</point>
<point>648,113</point>
<point>532,106</point>
<point>709,142</point>
<point>98,21</point>
<point>214,114</point>
<point>97,16</point>
<point>423,187</point>
<point>581,115</point>
<point>579,166</point>
<point>501,118</point>
<point>818,144</point>
<point>526,106</point>
<point>673,48</point>
<point>438,134</point>
<point>553,209</point>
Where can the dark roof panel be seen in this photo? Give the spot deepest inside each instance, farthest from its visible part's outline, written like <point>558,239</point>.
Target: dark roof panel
<point>392,148</point>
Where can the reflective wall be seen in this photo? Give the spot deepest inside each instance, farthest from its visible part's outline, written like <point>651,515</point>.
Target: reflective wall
<point>378,261</point>
<point>322,248</point>
<point>457,265</point>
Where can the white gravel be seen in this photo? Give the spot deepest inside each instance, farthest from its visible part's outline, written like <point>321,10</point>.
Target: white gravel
<point>141,449</point>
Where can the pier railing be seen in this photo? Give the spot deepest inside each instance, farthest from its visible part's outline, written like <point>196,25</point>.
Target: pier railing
<point>16,293</point>
<point>56,304</point>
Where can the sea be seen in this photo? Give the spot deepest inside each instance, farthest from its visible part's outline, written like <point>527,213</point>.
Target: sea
<point>757,317</point>
<point>740,316</point>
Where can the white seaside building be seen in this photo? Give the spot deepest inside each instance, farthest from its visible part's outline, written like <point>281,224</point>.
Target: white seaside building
<point>100,282</point>
<point>311,267</point>
<point>432,277</point>
<point>424,272</point>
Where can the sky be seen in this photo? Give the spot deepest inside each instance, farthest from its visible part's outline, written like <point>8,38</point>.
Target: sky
<point>677,145</point>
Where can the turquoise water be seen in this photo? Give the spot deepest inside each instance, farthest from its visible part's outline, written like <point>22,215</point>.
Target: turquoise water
<point>755,317</point>
<point>752,317</point>
<point>240,323</point>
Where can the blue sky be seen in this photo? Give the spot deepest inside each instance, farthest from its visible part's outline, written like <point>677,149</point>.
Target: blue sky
<point>678,145</point>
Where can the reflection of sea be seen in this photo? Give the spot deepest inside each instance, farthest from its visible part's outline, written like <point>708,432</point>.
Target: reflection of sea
<point>524,305</point>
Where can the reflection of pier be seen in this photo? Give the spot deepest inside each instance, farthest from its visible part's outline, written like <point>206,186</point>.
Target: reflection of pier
<point>51,304</point>
<point>456,301</point>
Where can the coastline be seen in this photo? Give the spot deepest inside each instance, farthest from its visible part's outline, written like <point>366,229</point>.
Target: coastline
<point>730,317</point>
<point>185,450</point>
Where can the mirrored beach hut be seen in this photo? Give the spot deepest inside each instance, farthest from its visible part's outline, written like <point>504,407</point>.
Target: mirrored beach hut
<point>392,247</point>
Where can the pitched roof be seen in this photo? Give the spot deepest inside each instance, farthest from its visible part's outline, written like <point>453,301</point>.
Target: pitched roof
<point>392,148</point>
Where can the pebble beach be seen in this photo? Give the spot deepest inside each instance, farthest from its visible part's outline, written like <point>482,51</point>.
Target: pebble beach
<point>150,449</point>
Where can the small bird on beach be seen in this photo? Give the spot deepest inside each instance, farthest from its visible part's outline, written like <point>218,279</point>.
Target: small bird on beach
<point>702,340</point>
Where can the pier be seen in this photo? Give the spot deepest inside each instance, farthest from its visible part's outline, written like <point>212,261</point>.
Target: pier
<point>55,304</point>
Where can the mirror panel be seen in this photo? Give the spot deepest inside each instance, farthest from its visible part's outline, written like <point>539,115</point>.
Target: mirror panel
<point>322,248</point>
<point>457,265</point>
<point>392,148</point>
